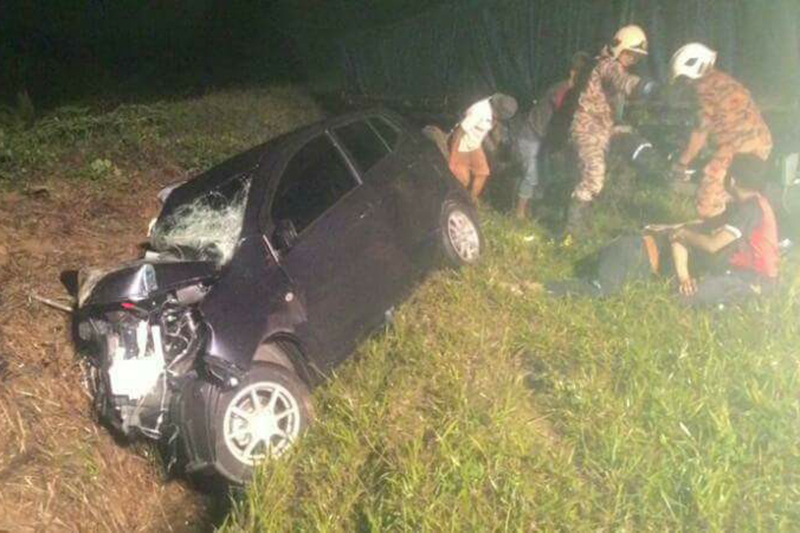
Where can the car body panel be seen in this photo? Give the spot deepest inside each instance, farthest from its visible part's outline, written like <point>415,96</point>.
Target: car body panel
<point>140,280</point>
<point>346,269</point>
<point>248,304</point>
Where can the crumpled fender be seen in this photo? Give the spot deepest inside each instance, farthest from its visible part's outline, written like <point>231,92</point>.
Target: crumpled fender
<point>248,305</point>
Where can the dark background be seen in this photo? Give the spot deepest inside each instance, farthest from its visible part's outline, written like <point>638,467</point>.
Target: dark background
<point>106,50</point>
<point>465,50</point>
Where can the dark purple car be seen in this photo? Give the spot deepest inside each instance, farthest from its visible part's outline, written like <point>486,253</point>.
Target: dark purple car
<point>263,274</point>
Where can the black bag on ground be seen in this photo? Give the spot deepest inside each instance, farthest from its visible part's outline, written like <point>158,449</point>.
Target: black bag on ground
<point>624,260</point>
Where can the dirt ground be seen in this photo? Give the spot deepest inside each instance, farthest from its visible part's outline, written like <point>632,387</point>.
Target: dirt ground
<point>60,470</point>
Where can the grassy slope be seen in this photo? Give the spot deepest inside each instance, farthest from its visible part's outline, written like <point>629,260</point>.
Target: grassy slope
<point>484,409</point>
<point>481,408</point>
<point>77,189</point>
<point>187,136</point>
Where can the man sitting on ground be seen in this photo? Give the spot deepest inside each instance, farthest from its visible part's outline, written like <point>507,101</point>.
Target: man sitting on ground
<point>744,248</point>
<point>736,254</point>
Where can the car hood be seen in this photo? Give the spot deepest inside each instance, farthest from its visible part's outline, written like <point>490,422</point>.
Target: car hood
<point>140,280</point>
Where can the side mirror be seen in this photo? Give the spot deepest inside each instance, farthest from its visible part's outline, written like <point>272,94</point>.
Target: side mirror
<point>285,235</point>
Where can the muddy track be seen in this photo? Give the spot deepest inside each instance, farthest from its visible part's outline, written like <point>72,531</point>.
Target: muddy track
<point>59,469</point>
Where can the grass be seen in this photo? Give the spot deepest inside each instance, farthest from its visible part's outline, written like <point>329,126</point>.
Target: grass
<point>481,408</point>
<point>192,134</point>
<point>484,409</point>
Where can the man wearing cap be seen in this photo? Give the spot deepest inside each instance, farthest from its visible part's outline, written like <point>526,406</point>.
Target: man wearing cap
<point>467,157</point>
<point>728,118</point>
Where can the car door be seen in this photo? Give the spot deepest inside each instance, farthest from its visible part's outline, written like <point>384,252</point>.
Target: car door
<point>424,186</point>
<point>412,191</point>
<point>337,262</point>
<point>379,170</point>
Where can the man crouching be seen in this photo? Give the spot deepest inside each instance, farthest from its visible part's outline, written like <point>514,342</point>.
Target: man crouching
<point>467,159</point>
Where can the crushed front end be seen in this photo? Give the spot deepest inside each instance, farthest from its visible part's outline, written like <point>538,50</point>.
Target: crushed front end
<point>141,337</point>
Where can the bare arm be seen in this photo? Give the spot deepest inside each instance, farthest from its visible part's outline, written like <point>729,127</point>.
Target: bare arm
<point>710,243</point>
<point>680,258</point>
<point>697,142</point>
<point>659,228</point>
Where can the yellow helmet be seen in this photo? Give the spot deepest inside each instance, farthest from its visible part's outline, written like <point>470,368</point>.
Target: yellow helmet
<point>631,38</point>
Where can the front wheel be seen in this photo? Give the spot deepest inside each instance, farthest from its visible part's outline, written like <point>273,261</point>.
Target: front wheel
<point>259,420</point>
<point>461,237</point>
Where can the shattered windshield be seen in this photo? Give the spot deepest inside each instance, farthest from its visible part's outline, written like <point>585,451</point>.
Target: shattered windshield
<point>209,226</point>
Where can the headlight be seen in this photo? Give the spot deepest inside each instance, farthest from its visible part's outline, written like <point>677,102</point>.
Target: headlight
<point>149,280</point>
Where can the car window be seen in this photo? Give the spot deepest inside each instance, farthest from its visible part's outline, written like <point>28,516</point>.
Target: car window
<point>315,179</point>
<point>363,144</point>
<point>388,131</point>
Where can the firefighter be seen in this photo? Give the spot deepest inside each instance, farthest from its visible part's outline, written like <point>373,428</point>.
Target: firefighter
<point>728,119</point>
<point>593,123</point>
<point>467,157</point>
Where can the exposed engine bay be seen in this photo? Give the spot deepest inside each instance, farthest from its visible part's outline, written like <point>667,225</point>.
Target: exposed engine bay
<point>138,352</point>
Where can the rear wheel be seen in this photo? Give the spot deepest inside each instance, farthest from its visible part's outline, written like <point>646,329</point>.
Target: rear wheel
<point>259,420</point>
<point>461,237</point>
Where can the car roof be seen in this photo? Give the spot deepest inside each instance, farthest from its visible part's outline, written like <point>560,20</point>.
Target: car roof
<point>256,156</point>
<point>305,133</point>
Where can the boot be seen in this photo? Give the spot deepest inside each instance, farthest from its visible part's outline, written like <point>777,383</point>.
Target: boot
<point>576,217</point>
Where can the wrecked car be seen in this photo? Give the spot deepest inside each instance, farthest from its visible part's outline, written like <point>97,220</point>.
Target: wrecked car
<point>262,275</point>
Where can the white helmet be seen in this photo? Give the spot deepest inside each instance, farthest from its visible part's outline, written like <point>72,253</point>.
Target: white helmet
<point>693,60</point>
<point>631,38</point>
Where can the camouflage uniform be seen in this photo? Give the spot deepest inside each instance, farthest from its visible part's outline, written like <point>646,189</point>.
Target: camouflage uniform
<point>735,126</point>
<point>593,123</point>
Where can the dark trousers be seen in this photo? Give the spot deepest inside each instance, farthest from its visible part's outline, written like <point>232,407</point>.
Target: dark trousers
<point>622,261</point>
<point>730,287</point>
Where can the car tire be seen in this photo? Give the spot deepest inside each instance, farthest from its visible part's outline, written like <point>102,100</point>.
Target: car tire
<point>460,233</point>
<point>244,435</point>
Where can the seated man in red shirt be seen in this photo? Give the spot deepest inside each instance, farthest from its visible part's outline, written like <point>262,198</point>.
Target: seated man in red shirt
<point>744,247</point>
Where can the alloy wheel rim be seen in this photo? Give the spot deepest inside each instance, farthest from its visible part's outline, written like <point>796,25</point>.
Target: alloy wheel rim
<point>261,422</point>
<point>463,236</point>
